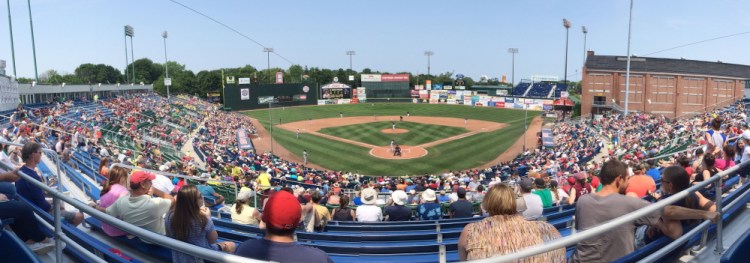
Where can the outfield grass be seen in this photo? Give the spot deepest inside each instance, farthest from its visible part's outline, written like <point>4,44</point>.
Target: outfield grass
<point>464,153</point>
<point>419,133</point>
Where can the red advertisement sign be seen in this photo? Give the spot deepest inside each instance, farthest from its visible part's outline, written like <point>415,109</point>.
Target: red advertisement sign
<point>394,78</point>
<point>499,104</point>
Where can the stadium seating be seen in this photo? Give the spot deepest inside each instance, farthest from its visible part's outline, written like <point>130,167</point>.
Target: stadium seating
<point>12,248</point>
<point>739,251</point>
<point>540,90</point>
<point>521,88</point>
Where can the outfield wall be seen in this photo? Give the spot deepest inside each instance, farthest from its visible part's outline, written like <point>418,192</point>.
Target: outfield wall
<point>457,97</point>
<point>248,96</point>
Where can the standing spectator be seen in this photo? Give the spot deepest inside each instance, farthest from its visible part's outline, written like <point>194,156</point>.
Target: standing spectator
<point>32,155</point>
<point>533,203</point>
<point>398,212</point>
<point>321,212</point>
<point>281,216</point>
<point>242,212</point>
<point>640,184</point>
<point>715,138</point>
<point>343,212</point>
<point>189,221</point>
<point>541,190</point>
<point>114,189</point>
<point>609,203</point>
<point>461,208</point>
<point>505,231</point>
<point>368,211</point>
<point>429,209</point>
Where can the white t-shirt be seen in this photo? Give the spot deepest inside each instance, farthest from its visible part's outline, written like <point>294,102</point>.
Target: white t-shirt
<point>369,213</point>
<point>534,206</point>
<point>142,211</point>
<point>745,154</point>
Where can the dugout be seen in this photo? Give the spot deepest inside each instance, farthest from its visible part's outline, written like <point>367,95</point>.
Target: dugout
<point>251,96</point>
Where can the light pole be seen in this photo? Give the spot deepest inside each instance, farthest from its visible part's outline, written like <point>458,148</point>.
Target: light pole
<point>585,31</point>
<point>428,54</point>
<point>350,53</point>
<point>627,71</point>
<point>33,45</point>
<point>167,80</point>
<point>566,24</point>
<point>513,51</point>
<point>525,122</point>
<point>12,48</point>
<point>270,123</point>
<point>129,32</point>
<point>268,51</point>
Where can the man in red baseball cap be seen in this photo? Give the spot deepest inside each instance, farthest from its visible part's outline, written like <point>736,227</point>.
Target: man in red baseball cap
<point>281,215</point>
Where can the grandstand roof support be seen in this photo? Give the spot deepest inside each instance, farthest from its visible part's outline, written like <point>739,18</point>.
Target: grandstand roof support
<point>566,24</point>
<point>513,51</point>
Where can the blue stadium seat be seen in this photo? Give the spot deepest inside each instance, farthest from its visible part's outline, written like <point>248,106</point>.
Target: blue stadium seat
<point>12,248</point>
<point>739,251</point>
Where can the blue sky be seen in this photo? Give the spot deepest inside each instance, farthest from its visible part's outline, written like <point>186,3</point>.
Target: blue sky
<point>467,37</point>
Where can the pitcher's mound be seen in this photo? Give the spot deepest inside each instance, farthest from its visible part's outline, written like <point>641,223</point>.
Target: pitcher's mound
<point>391,131</point>
<point>407,152</point>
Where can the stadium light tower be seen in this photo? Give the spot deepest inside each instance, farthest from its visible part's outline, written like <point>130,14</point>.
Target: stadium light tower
<point>12,48</point>
<point>167,80</point>
<point>269,50</point>
<point>33,45</point>
<point>585,31</point>
<point>129,32</point>
<point>566,24</point>
<point>513,51</point>
<point>350,53</point>
<point>428,54</point>
<point>627,70</point>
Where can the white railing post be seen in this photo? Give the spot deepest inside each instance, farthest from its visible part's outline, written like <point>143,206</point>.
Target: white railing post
<point>719,225</point>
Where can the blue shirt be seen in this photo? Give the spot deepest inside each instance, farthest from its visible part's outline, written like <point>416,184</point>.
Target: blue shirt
<point>429,211</point>
<point>654,173</point>
<point>206,190</point>
<point>29,191</point>
<point>266,250</point>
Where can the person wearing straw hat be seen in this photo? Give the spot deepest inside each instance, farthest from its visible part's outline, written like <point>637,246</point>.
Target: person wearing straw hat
<point>368,211</point>
<point>398,212</point>
<point>430,208</point>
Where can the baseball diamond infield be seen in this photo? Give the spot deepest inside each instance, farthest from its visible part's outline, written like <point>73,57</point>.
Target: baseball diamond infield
<point>407,151</point>
<point>347,137</point>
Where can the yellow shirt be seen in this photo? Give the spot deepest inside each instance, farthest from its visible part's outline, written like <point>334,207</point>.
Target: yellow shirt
<point>322,213</point>
<point>236,171</point>
<point>264,181</point>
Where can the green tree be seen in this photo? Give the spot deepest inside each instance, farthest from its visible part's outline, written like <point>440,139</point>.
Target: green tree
<point>99,73</point>
<point>146,71</point>
<point>294,74</point>
<point>208,81</point>
<point>183,81</point>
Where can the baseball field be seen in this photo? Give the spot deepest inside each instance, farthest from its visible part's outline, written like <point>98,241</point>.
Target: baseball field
<point>357,137</point>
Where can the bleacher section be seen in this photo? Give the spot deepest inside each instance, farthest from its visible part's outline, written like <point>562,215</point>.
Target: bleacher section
<point>543,89</point>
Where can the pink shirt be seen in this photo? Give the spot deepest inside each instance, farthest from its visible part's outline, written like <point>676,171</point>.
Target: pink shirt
<point>115,192</point>
<point>723,164</point>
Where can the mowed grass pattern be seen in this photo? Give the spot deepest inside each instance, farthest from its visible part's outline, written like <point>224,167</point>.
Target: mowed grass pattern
<point>371,133</point>
<point>464,153</point>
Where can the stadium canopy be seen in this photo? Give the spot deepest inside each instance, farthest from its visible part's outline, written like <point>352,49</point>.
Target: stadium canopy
<point>563,102</point>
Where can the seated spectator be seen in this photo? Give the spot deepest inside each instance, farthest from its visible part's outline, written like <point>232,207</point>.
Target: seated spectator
<point>141,210</point>
<point>208,191</point>
<point>531,202</point>
<point>461,208</point>
<point>505,231</point>
<point>397,211</point>
<point>281,216</point>
<point>541,190</point>
<point>32,155</point>
<point>580,188</point>
<point>443,198</point>
<point>727,158</point>
<point>478,194</point>
<point>413,197</point>
<point>113,190</point>
<point>242,212</point>
<point>104,167</point>
<point>333,198</point>
<point>343,212</point>
<point>429,209</point>
<point>25,224</point>
<point>559,196</point>
<point>368,211</point>
<point>674,221</point>
<point>640,184</point>
<point>190,222</point>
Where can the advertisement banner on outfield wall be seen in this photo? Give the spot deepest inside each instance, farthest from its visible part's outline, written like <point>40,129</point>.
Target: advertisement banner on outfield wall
<point>547,107</point>
<point>244,94</point>
<point>499,104</point>
<point>428,84</point>
<point>437,86</point>
<point>509,100</point>
<point>370,77</point>
<point>394,78</point>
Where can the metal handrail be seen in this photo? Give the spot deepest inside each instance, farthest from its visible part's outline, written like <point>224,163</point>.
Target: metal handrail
<point>70,243</point>
<point>234,185</point>
<point>686,150</point>
<point>625,219</point>
<point>144,234</point>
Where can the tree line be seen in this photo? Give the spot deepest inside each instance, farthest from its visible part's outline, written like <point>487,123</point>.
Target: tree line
<point>187,82</point>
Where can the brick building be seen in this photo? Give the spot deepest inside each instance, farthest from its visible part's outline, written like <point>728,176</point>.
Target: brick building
<point>672,87</point>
